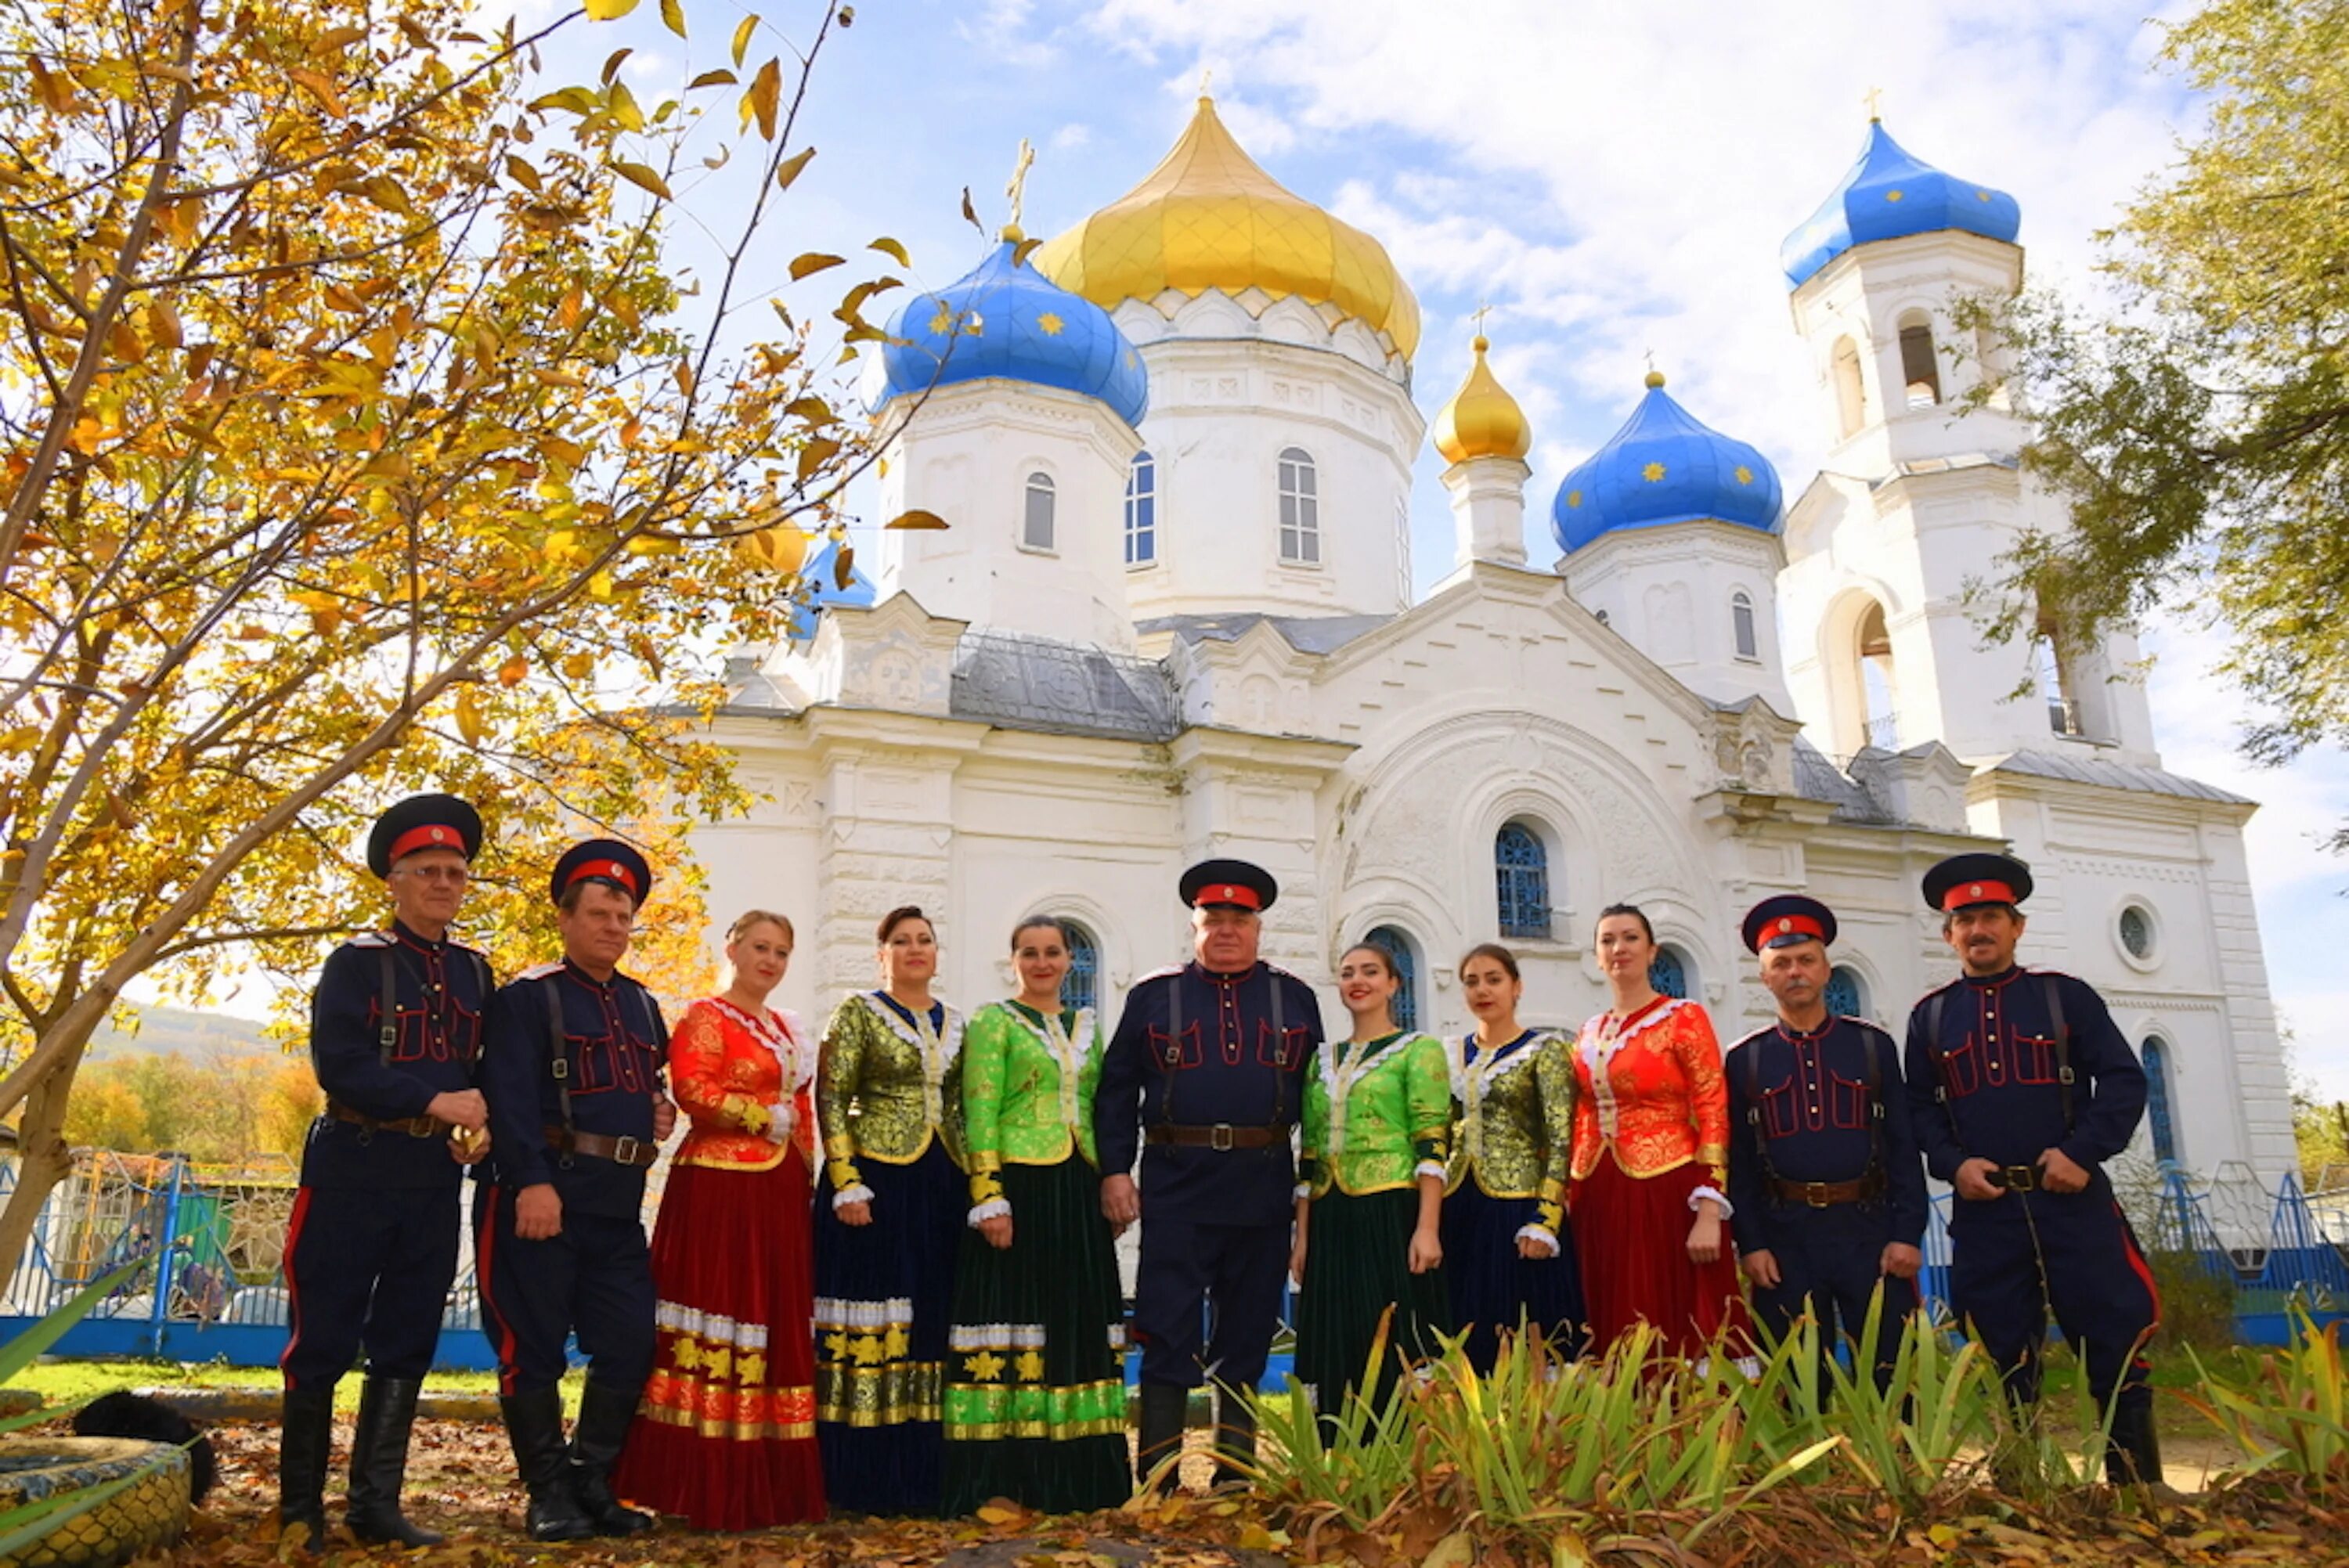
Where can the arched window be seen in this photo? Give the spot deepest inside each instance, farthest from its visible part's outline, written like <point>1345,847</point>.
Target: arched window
<point>1398,948</point>
<point>1082,987</point>
<point>2047,666</point>
<point>1846,994</point>
<point>1879,706</point>
<point>1851,395</point>
<point>1036,530</point>
<point>1521,867</point>
<point>1142,511</point>
<point>1669,972</point>
<point>2157,1099</point>
<point>1300,508</point>
<point>1920,368</point>
<point>1741,625</point>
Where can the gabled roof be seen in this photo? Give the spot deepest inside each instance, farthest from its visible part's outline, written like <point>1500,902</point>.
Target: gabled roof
<point>1018,681</point>
<point>2097,771</point>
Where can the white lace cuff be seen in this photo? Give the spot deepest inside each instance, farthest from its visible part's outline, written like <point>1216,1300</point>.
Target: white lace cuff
<point>1541,1233</point>
<point>993,1209</point>
<point>1717,1195</point>
<point>1301,1192</point>
<point>780,1120</point>
<point>1434,1167</point>
<point>860,1194</point>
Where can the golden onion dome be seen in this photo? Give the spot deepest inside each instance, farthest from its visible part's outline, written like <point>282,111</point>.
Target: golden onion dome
<point>1209,218</point>
<point>1482,420</point>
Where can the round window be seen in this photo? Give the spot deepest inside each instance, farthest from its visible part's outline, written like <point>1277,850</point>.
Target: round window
<point>2136,931</point>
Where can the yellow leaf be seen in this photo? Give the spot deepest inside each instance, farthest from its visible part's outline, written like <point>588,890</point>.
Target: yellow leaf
<point>338,37</point>
<point>813,263</point>
<point>844,568</point>
<point>578,667</point>
<point>916,519</point>
<point>609,10</point>
<point>122,341</point>
<point>673,16</point>
<point>742,39</point>
<point>814,452</point>
<point>513,672</point>
<point>1457,1549</point>
<point>643,177</point>
<point>717,78</point>
<point>600,585</point>
<point>622,104</point>
<point>789,169</point>
<point>993,1515</point>
<point>319,85</point>
<point>468,716</point>
<point>892,249</point>
<point>765,99</point>
<point>163,322</point>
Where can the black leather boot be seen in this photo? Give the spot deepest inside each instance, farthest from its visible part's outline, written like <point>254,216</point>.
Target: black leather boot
<point>605,1411</point>
<point>1165,1407</point>
<point>306,1436</point>
<point>535,1424</point>
<point>1235,1438</point>
<point>379,1464</point>
<point>2133,1456</point>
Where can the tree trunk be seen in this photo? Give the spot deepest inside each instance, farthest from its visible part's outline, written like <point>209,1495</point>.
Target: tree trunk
<point>43,1157</point>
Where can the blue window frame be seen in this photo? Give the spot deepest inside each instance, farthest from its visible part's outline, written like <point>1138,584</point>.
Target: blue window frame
<point>2157,1100</point>
<point>1845,995</point>
<point>1668,973</point>
<point>1397,947</point>
<point>1142,511</point>
<point>1082,987</point>
<point>1521,869</point>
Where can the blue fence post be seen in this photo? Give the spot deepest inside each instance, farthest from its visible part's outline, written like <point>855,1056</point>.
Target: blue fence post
<point>167,1251</point>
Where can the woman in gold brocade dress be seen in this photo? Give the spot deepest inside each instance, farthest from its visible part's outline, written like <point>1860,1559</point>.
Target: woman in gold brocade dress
<point>889,1218</point>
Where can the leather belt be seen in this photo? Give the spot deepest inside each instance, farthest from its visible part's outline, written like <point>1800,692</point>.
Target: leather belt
<point>409,1127</point>
<point>637,1152</point>
<point>2016,1178</point>
<point>1222,1135</point>
<point>1824,1194</point>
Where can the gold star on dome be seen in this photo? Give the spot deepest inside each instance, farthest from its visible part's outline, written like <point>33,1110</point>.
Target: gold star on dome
<point>1652,472</point>
<point>943,322</point>
<point>1892,195</point>
<point>1049,325</point>
<point>1745,475</point>
<point>1573,498</point>
<point>1981,195</point>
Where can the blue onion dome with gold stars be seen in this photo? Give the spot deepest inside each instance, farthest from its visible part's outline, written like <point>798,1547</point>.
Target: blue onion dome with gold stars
<point>1890,195</point>
<point>1004,319</point>
<point>1664,467</point>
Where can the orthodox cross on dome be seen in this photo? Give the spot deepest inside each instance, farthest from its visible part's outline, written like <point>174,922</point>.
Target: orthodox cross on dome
<point>1017,188</point>
<point>1206,79</point>
<point>1874,99</point>
<point>1484,309</point>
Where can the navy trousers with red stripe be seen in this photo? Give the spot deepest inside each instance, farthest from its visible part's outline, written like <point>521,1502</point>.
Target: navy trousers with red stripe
<point>2013,1260</point>
<point>593,1277</point>
<point>367,1267</point>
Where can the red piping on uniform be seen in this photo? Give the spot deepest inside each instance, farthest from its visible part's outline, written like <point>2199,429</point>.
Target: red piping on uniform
<point>293,1289</point>
<point>484,1248</point>
<point>2136,1262</point>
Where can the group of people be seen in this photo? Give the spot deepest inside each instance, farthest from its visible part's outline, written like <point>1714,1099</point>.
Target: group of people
<point>883,1278</point>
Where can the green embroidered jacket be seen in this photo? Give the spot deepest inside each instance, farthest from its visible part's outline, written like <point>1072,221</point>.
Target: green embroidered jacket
<point>1378,1115</point>
<point>1513,1127</point>
<point>883,1090</point>
<point>1022,1103</point>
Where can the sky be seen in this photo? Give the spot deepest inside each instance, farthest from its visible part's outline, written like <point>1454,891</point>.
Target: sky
<point>1612,180</point>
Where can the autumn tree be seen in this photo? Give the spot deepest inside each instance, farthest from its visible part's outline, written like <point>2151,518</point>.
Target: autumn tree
<point>358,437</point>
<point>2200,425</point>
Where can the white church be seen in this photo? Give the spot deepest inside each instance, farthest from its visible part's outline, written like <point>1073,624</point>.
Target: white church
<point>1172,617</point>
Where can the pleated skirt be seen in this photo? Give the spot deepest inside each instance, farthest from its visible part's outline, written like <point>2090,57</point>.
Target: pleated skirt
<point>1494,1289</point>
<point>1035,1387</point>
<point>1357,1266</point>
<point>725,1437</point>
<point>1633,1234</point>
<point>883,1294</point>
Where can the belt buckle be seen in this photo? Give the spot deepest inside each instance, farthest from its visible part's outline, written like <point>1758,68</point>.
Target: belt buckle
<point>1219,1137</point>
<point>624,1150</point>
<point>1815,1193</point>
<point>2021,1179</point>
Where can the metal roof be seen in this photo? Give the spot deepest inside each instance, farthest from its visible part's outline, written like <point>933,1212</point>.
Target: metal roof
<point>2105,775</point>
<point>1306,633</point>
<point>1022,681</point>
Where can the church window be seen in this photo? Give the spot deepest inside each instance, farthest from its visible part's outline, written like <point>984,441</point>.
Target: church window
<point>2137,932</point>
<point>1846,994</point>
<point>1082,986</point>
<point>1670,973</point>
<point>2157,1116</point>
<point>1036,528</point>
<point>1851,395</point>
<point>1920,368</point>
<point>1399,950</point>
<point>1300,510</point>
<point>1741,623</point>
<point>2047,666</point>
<point>1521,868</point>
<point>1880,709</point>
<point>1142,511</point>
<point>1601,616</point>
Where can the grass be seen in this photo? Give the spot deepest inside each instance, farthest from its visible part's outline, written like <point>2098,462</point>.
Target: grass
<point>63,1382</point>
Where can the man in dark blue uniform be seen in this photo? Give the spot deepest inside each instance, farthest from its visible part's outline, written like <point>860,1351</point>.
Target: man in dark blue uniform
<point>1205,1076</point>
<point>395,1029</point>
<point>1824,1174</point>
<point>2021,1088</point>
<point>576,1102</point>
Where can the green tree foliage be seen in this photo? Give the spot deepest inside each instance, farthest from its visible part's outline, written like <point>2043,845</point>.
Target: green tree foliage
<point>2200,425</point>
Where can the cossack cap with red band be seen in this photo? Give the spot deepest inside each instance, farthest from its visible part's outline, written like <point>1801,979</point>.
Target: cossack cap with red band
<point>606,861</point>
<point>423,823</point>
<point>1787,919</point>
<point>1964,881</point>
<point>1233,884</point>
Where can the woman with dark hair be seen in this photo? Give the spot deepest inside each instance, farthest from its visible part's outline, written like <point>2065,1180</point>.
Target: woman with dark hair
<point>1650,1150</point>
<point>888,1224</point>
<point>1507,1253</point>
<point>1370,1192</point>
<point>1035,1397</point>
<point>725,1436</point>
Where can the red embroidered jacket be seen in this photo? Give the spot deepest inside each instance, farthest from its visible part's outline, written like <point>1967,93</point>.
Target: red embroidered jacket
<point>1653,1092</point>
<point>726,1070</point>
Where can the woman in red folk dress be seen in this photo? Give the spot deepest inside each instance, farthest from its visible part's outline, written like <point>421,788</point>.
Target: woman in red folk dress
<point>1650,1158</point>
<point>726,1435</point>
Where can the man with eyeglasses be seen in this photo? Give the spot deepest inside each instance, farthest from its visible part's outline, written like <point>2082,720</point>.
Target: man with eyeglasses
<point>395,1031</point>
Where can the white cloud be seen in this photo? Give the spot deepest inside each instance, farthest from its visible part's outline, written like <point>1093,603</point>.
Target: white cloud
<point>1071,136</point>
<point>1004,29</point>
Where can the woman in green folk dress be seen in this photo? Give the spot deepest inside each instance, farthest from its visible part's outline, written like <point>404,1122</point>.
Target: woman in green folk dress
<point>1370,1193</point>
<point>1035,1402</point>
